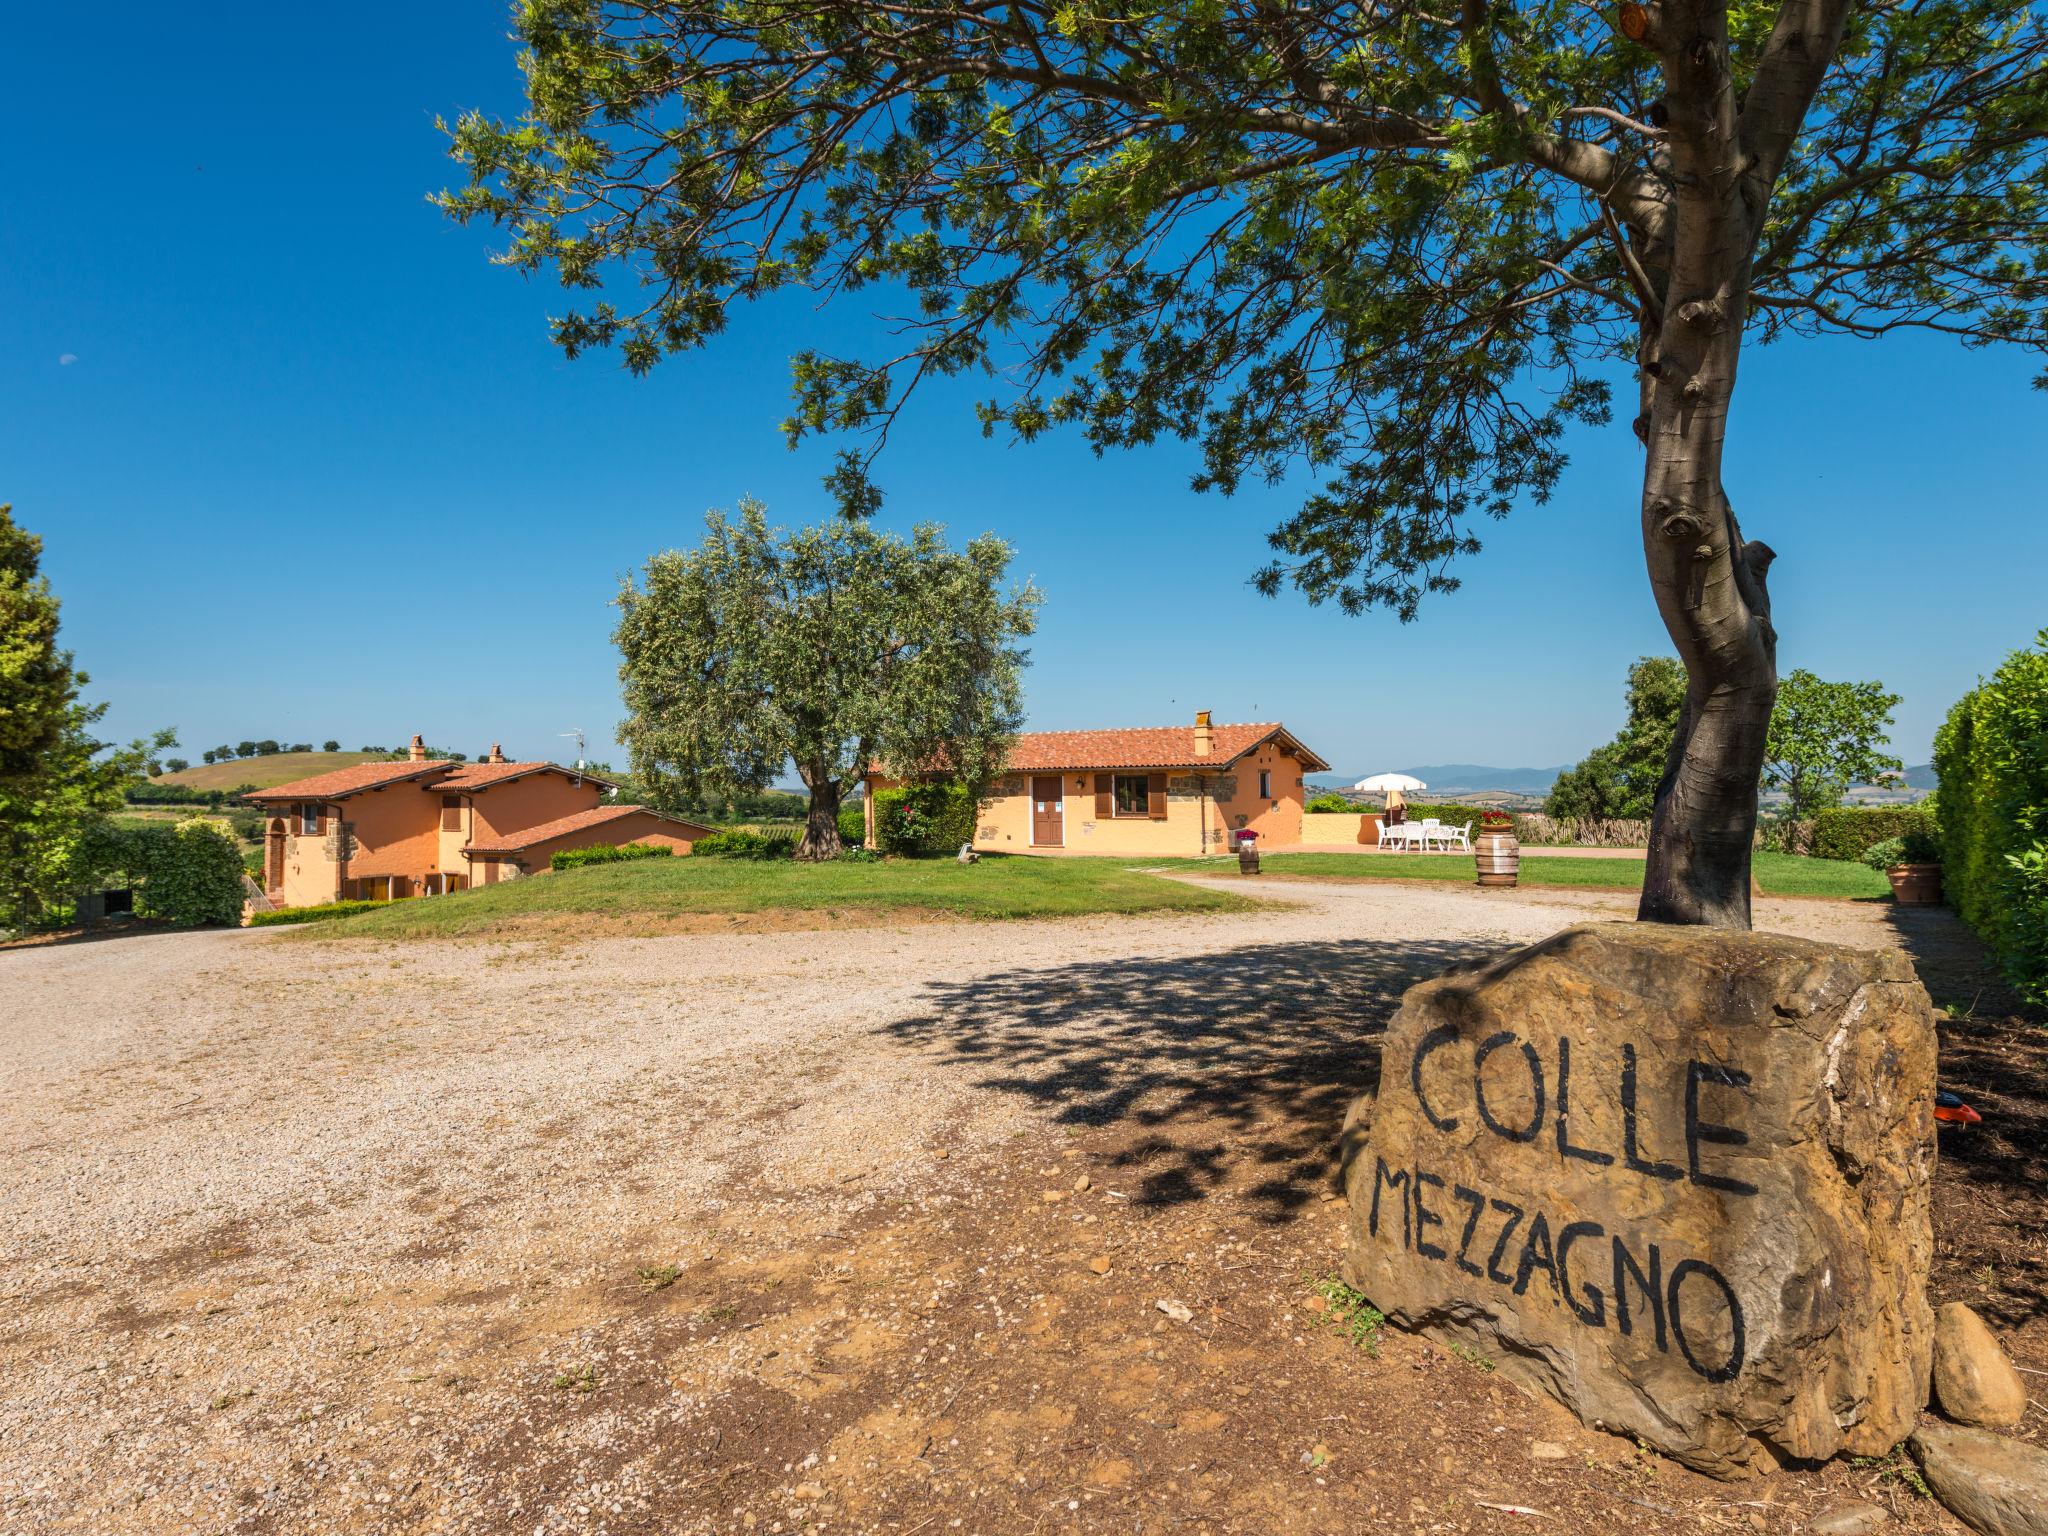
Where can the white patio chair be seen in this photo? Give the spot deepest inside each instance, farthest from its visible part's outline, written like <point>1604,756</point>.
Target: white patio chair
<point>1432,830</point>
<point>1459,836</point>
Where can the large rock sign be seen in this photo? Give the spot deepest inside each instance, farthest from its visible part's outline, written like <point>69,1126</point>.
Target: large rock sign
<point>1677,1178</point>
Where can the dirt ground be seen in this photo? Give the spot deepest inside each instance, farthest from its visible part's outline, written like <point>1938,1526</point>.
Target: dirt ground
<point>860,1230</point>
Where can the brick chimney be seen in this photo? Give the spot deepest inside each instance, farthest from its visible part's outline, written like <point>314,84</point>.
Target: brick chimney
<point>417,751</point>
<point>497,754</point>
<point>1205,735</point>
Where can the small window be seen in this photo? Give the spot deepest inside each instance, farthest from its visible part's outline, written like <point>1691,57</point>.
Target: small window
<point>1132,795</point>
<point>373,888</point>
<point>309,819</point>
<point>451,813</point>
<point>1265,784</point>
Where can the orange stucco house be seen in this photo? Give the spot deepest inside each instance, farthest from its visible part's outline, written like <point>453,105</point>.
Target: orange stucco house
<point>1168,790</point>
<point>423,826</point>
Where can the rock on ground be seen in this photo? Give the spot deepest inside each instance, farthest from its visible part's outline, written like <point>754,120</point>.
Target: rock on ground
<point>1676,1178</point>
<point>1974,1382</point>
<point>1992,1484</point>
<point>1858,1519</point>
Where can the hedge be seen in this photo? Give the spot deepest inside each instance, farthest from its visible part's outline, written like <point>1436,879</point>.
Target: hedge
<point>742,844</point>
<point>853,824</point>
<point>607,853</point>
<point>317,914</point>
<point>1991,756</point>
<point>1336,805</point>
<point>924,818</point>
<point>1849,831</point>
<point>188,873</point>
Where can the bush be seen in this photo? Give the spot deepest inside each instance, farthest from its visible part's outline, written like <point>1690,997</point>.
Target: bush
<point>607,853</point>
<point>1991,756</point>
<point>1335,805</point>
<point>1847,831</point>
<point>312,914</point>
<point>853,824</point>
<point>188,873</point>
<point>742,844</point>
<point>1919,846</point>
<point>924,818</point>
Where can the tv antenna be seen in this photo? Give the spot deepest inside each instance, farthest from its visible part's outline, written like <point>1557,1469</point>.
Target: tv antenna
<point>578,735</point>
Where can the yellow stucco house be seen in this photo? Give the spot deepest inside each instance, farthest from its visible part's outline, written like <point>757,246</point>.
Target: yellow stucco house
<point>1169,790</point>
<point>424,826</point>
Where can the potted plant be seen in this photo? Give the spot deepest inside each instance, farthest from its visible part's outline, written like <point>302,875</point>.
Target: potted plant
<point>1912,863</point>
<point>1497,850</point>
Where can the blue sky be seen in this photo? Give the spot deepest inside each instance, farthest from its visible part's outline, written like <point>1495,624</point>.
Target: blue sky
<point>307,466</point>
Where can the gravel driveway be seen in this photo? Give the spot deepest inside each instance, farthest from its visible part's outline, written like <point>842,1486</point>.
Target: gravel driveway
<point>306,1235</point>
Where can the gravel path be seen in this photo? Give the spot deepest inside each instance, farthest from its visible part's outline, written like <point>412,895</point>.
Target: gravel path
<point>298,1233</point>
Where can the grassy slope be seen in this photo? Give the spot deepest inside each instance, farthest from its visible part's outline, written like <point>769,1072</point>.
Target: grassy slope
<point>656,888</point>
<point>266,772</point>
<point>1780,874</point>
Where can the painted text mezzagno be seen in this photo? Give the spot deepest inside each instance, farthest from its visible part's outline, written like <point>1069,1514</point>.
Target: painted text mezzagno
<point>1483,1236</point>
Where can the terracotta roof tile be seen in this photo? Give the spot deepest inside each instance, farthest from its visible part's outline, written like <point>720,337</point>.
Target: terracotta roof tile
<point>343,782</point>
<point>1164,746</point>
<point>576,821</point>
<point>483,775</point>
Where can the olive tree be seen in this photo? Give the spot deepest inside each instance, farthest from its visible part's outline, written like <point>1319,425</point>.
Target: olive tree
<point>1399,245</point>
<point>835,648</point>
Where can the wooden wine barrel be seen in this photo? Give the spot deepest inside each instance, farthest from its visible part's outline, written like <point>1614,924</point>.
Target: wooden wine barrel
<point>1499,855</point>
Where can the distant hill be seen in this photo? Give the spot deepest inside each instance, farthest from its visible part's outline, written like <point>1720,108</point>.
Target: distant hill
<point>266,772</point>
<point>1448,779</point>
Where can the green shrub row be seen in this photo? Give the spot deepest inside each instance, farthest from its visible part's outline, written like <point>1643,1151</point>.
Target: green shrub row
<point>607,853</point>
<point>1991,756</point>
<point>188,872</point>
<point>312,914</point>
<point>742,844</point>
<point>1849,831</point>
<point>924,818</point>
<point>1334,805</point>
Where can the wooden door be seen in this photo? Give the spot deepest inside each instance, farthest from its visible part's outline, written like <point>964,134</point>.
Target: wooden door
<point>1048,813</point>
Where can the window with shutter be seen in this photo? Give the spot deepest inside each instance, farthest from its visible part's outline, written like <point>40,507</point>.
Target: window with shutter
<point>451,813</point>
<point>1155,796</point>
<point>1105,802</point>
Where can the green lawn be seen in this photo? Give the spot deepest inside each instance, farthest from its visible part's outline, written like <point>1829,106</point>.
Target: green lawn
<point>1780,874</point>
<point>650,890</point>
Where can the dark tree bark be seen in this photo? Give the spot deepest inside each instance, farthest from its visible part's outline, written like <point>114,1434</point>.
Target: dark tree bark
<point>821,819</point>
<point>1724,155</point>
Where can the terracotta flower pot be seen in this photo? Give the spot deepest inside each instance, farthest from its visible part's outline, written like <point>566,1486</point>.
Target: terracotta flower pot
<point>1915,885</point>
<point>1498,853</point>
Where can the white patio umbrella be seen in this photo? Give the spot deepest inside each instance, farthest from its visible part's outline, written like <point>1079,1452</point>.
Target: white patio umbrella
<point>1381,783</point>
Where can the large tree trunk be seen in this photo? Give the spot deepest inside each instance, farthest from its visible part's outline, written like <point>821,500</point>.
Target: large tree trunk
<point>821,820</point>
<point>1708,582</point>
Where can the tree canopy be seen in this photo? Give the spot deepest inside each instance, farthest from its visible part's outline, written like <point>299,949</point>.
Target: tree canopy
<point>57,780</point>
<point>836,648</point>
<point>1395,248</point>
<point>1824,737</point>
<point>1618,780</point>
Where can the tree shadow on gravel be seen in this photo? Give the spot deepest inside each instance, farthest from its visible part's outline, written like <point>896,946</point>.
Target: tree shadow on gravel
<point>1207,1063</point>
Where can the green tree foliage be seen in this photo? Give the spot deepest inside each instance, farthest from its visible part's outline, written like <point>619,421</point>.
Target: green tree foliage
<point>930,817</point>
<point>1397,249</point>
<point>330,746</point>
<point>57,780</point>
<point>1823,738</point>
<point>189,873</point>
<point>1619,780</point>
<point>834,647</point>
<point>1991,756</point>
